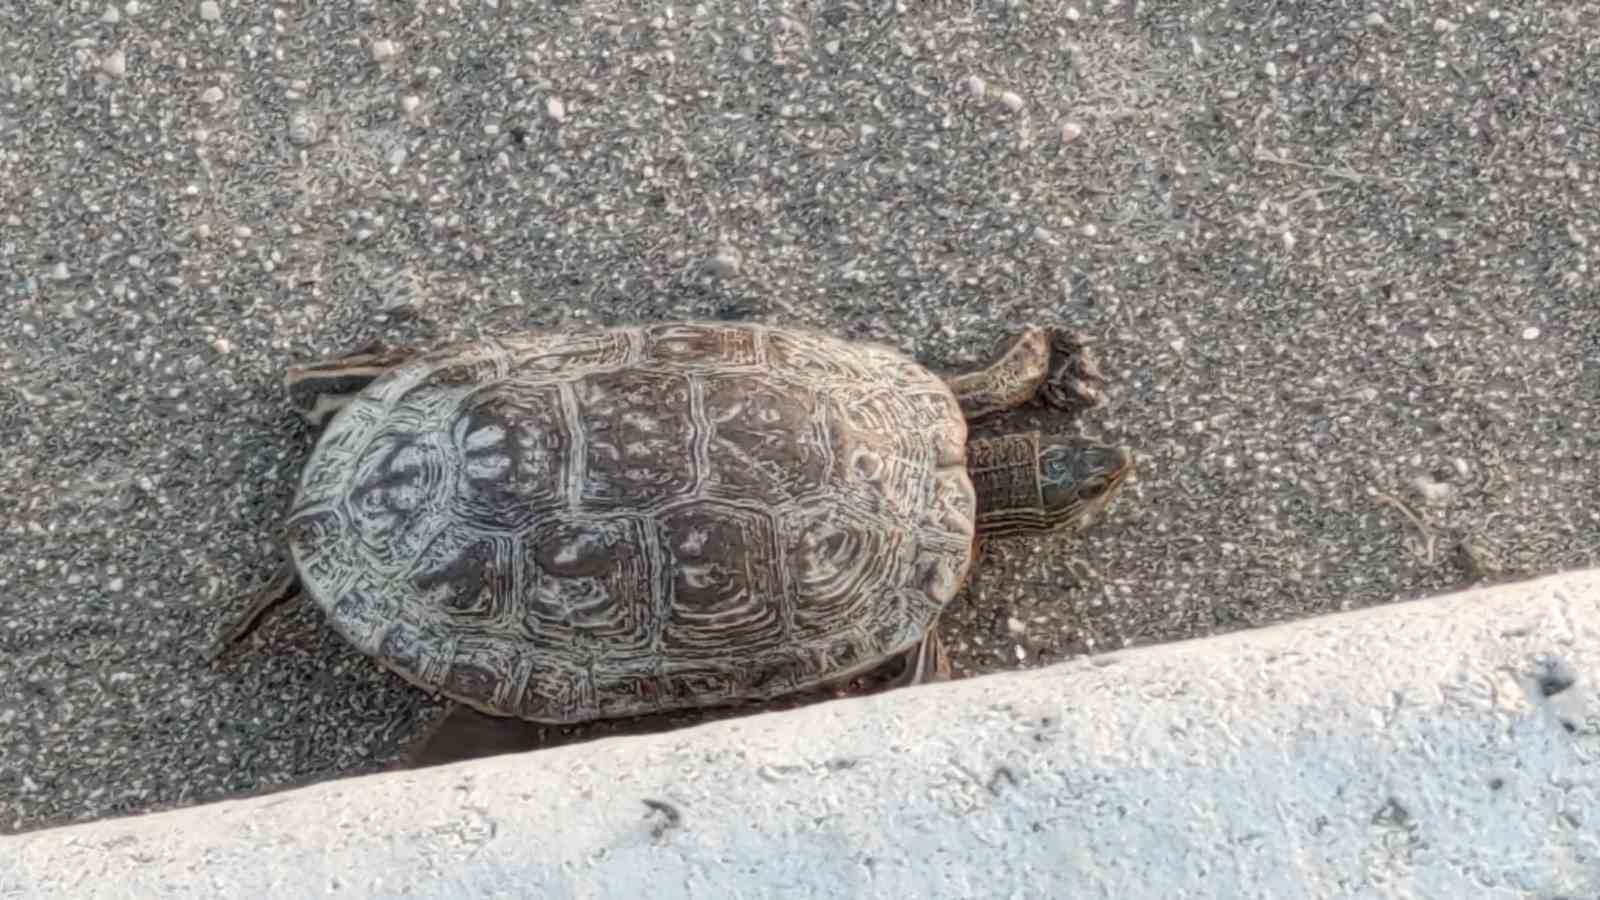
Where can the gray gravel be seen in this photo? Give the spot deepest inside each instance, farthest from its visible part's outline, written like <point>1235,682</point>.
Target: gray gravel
<point>1342,269</point>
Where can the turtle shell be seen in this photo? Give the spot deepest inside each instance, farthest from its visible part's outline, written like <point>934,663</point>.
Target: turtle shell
<point>570,526</point>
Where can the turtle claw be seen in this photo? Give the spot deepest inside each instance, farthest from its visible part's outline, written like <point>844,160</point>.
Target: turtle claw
<point>1040,366</point>
<point>1074,382</point>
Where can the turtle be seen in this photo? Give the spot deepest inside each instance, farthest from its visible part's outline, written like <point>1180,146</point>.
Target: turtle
<point>561,526</point>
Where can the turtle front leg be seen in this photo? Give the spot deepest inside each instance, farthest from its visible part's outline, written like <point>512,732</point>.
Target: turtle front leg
<point>1049,365</point>
<point>285,585</point>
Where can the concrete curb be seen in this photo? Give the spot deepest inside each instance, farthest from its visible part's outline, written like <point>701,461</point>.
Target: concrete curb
<point>1436,749</point>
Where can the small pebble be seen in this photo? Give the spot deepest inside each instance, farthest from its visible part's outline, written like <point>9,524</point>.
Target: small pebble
<point>303,128</point>
<point>1070,132</point>
<point>555,109</point>
<point>725,263</point>
<point>409,103</point>
<point>1012,100</point>
<point>383,51</point>
<point>975,86</point>
<point>115,64</point>
<point>1432,492</point>
<point>210,11</point>
<point>1531,333</point>
<point>212,95</point>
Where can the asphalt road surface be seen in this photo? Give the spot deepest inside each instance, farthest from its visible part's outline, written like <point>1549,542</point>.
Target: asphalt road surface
<point>1341,267</point>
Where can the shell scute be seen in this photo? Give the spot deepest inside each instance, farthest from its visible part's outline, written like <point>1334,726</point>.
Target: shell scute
<point>477,680</point>
<point>398,492</point>
<point>315,538</point>
<point>699,345</point>
<point>515,447</point>
<point>727,592</point>
<point>808,358</point>
<point>840,563</point>
<point>468,580</point>
<point>640,439</point>
<point>593,586</point>
<point>767,443</point>
<point>424,653</point>
<point>547,354</point>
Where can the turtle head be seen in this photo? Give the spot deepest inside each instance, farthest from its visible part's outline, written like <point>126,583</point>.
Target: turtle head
<point>319,390</point>
<point>1032,482</point>
<point>1079,477</point>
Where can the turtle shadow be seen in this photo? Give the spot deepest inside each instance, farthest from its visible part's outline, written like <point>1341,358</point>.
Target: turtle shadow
<point>464,733</point>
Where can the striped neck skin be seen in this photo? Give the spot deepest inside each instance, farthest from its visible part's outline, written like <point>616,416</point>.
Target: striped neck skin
<point>320,390</point>
<point>1031,483</point>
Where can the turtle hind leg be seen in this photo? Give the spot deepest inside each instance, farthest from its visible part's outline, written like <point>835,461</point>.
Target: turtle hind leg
<point>319,390</point>
<point>926,663</point>
<point>284,586</point>
<point>1051,366</point>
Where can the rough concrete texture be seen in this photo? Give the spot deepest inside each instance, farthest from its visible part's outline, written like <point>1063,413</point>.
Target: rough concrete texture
<point>1443,748</point>
<point>1341,259</point>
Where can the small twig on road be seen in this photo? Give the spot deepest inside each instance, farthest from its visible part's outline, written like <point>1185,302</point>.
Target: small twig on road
<point>1346,173</point>
<point>1427,533</point>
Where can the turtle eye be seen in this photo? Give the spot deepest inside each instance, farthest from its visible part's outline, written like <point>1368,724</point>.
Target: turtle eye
<point>1055,467</point>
